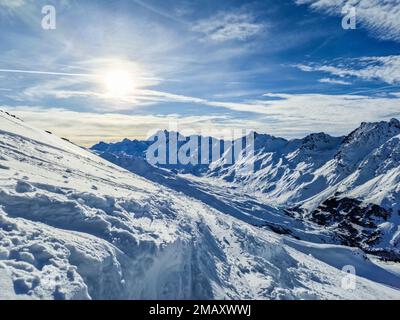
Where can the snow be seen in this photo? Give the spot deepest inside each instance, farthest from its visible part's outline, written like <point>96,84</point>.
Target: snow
<point>75,226</point>
<point>339,256</point>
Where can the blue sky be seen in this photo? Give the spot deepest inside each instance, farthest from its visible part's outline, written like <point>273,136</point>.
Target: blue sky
<point>286,68</point>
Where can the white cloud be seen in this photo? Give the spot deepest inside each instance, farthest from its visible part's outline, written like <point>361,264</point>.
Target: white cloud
<point>286,115</point>
<point>12,4</point>
<point>380,17</point>
<point>254,107</point>
<point>86,128</point>
<point>334,81</point>
<point>386,69</point>
<point>297,114</point>
<point>229,26</point>
<point>63,89</point>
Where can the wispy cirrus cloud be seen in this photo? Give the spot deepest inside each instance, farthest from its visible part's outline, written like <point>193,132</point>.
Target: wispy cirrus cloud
<point>229,26</point>
<point>286,115</point>
<point>385,69</point>
<point>293,115</point>
<point>379,17</point>
<point>88,128</point>
<point>12,4</point>
<point>63,89</point>
<point>334,81</point>
<point>70,74</point>
<point>305,109</point>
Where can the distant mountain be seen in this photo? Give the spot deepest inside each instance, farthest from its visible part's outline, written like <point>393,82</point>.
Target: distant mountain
<point>138,150</point>
<point>292,172</point>
<point>304,176</point>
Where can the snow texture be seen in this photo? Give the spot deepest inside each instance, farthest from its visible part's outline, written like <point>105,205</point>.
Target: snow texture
<point>76,226</point>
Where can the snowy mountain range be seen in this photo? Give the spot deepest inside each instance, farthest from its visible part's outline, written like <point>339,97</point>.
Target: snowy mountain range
<point>310,178</point>
<point>297,171</point>
<point>105,224</point>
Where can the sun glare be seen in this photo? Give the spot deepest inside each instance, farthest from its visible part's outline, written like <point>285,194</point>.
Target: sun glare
<point>118,83</point>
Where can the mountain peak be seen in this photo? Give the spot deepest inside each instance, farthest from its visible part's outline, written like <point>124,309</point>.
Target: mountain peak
<point>386,128</point>
<point>394,122</point>
<point>362,141</point>
<point>268,142</point>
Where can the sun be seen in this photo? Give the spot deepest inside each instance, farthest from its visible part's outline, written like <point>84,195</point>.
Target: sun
<point>118,83</point>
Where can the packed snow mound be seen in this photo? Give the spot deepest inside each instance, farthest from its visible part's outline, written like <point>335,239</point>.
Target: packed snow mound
<point>75,226</point>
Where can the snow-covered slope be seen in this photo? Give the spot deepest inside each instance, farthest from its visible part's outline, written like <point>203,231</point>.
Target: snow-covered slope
<point>75,226</point>
<point>284,171</point>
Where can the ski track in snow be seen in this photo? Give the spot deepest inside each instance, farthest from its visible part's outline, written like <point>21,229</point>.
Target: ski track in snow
<point>74,226</point>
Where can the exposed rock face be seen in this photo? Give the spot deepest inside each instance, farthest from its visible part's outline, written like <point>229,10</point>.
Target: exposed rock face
<point>356,224</point>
